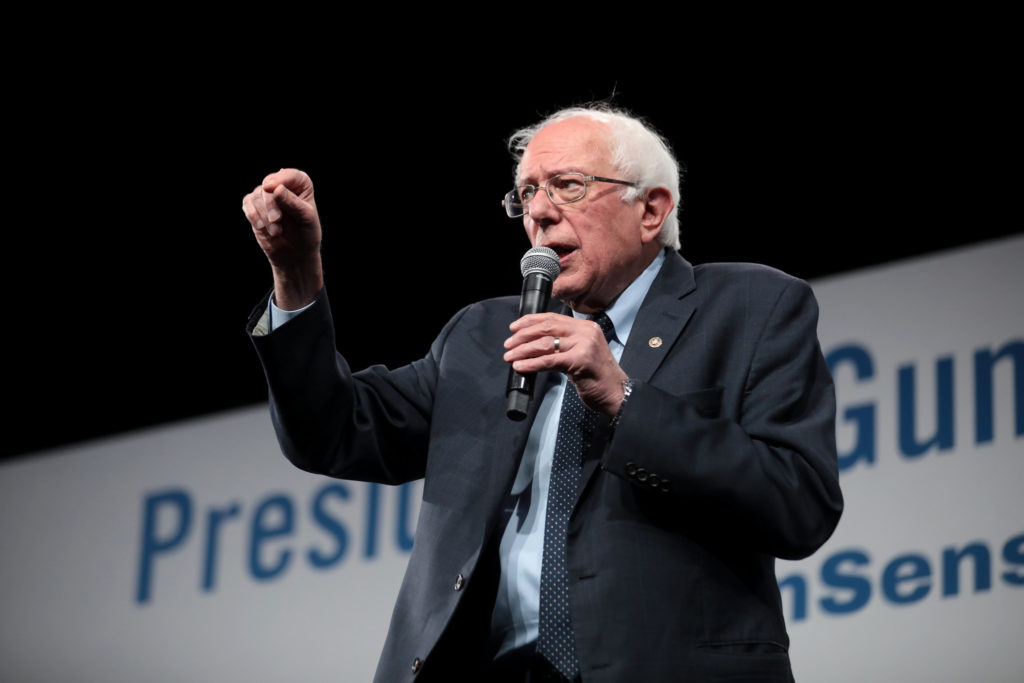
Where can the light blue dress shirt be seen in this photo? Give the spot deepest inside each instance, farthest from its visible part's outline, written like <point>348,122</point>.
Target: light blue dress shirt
<point>278,316</point>
<point>517,608</point>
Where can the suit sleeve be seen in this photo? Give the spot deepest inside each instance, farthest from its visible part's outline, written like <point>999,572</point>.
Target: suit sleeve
<point>764,473</point>
<point>369,426</point>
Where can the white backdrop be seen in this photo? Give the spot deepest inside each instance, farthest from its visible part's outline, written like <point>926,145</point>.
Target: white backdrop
<point>196,552</point>
<point>924,578</point>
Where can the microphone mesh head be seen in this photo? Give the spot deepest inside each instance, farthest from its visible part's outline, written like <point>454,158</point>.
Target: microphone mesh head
<point>540,260</point>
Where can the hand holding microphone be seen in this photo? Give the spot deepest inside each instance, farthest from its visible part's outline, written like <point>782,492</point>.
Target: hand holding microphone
<point>543,341</point>
<point>539,267</point>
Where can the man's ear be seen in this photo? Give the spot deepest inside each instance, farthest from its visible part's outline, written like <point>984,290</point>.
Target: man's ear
<point>658,204</point>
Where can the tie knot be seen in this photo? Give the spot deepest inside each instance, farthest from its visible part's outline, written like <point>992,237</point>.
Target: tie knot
<point>606,325</point>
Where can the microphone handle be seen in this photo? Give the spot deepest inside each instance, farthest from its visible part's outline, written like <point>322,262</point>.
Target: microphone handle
<point>534,299</point>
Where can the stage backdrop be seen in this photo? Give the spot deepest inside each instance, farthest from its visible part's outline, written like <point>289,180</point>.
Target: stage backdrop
<point>196,552</point>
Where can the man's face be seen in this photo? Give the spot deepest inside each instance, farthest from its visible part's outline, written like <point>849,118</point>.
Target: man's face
<point>598,239</point>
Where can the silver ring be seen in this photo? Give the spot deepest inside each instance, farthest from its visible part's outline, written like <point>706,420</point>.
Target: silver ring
<point>558,344</point>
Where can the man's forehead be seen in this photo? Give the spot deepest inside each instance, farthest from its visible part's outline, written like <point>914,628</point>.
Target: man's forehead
<point>576,144</point>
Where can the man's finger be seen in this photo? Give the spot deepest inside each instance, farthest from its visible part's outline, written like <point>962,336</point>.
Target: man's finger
<point>254,210</point>
<point>286,200</point>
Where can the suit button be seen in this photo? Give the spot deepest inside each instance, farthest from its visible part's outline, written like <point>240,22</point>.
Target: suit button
<point>653,480</point>
<point>664,488</point>
<point>416,664</point>
<point>459,582</point>
<point>630,469</point>
<point>641,474</point>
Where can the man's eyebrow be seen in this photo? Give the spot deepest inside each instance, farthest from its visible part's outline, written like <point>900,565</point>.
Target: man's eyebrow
<point>529,180</point>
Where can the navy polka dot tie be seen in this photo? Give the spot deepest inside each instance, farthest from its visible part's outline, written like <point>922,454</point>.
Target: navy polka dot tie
<point>575,425</point>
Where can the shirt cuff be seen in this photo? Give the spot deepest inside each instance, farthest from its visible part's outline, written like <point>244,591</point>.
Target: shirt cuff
<point>276,317</point>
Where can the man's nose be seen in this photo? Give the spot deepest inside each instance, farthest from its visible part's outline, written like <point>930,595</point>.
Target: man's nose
<point>542,209</point>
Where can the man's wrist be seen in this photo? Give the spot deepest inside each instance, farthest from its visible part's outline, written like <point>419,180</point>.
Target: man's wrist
<point>627,390</point>
<point>297,287</point>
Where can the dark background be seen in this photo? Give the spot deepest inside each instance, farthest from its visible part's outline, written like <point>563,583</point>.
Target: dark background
<point>131,269</point>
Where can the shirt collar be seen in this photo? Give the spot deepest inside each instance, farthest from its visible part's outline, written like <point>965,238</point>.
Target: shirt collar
<point>623,311</point>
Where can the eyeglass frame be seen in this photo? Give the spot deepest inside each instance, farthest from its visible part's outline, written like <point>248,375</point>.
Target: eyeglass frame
<point>587,179</point>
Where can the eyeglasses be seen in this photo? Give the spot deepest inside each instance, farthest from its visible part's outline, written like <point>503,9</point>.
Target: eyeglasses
<point>564,188</point>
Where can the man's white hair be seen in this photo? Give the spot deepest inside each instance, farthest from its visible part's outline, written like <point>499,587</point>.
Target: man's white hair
<point>640,154</point>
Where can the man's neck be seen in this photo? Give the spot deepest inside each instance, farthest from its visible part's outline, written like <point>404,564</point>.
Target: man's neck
<point>585,308</point>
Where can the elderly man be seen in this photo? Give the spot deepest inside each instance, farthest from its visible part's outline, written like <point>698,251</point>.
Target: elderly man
<point>680,439</point>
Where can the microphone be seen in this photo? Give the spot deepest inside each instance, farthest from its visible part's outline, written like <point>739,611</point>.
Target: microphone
<point>540,267</point>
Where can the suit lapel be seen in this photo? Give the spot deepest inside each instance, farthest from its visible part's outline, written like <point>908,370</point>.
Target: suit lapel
<point>510,437</point>
<point>663,315</point>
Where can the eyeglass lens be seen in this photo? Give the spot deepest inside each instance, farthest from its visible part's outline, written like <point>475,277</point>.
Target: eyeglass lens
<point>561,189</point>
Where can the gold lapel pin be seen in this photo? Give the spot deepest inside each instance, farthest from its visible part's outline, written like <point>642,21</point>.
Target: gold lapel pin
<point>654,342</point>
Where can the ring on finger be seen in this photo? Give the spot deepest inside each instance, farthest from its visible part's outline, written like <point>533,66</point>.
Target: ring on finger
<point>558,344</point>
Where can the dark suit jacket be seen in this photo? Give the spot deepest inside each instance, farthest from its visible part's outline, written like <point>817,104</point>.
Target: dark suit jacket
<point>724,459</point>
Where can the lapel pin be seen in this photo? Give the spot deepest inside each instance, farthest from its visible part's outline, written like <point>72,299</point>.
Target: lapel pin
<point>654,342</point>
